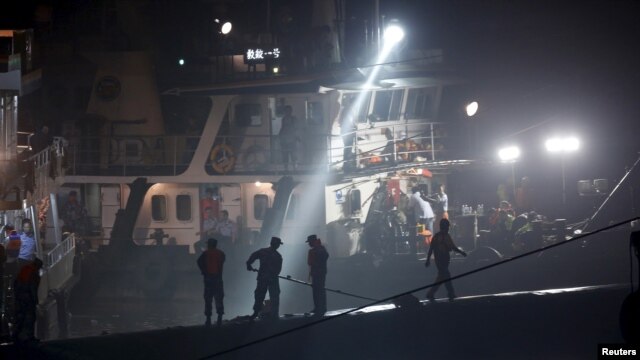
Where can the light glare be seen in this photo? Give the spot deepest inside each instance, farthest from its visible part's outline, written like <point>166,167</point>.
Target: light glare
<point>510,153</point>
<point>566,144</point>
<point>393,34</point>
<point>472,108</point>
<point>226,28</point>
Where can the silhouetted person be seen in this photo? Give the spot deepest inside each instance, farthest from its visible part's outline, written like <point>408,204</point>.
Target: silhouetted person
<point>270,267</point>
<point>40,140</point>
<point>317,260</point>
<point>26,299</point>
<point>440,247</point>
<point>211,264</point>
<point>288,138</point>
<point>74,214</point>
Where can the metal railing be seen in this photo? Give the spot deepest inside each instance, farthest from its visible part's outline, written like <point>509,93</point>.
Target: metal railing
<point>60,251</point>
<point>172,155</point>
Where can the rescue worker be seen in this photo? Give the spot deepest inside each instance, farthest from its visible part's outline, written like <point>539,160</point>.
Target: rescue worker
<point>270,267</point>
<point>440,247</point>
<point>26,299</point>
<point>317,260</point>
<point>211,263</point>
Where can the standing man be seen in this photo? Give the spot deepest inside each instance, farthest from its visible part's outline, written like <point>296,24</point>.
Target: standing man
<point>270,267</point>
<point>211,263</point>
<point>210,201</point>
<point>288,138</point>
<point>226,229</point>
<point>441,205</point>
<point>317,260</point>
<point>421,209</point>
<point>74,214</point>
<point>440,247</point>
<point>27,244</point>
<point>26,299</point>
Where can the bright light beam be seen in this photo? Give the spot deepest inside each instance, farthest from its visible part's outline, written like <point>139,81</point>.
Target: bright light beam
<point>509,154</point>
<point>472,108</point>
<point>562,144</point>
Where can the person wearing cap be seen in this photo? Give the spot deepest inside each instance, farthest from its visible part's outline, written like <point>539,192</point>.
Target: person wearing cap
<point>317,261</point>
<point>211,263</point>
<point>26,300</point>
<point>270,267</point>
<point>441,245</point>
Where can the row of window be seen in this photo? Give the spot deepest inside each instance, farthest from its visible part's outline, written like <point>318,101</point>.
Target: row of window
<point>387,106</point>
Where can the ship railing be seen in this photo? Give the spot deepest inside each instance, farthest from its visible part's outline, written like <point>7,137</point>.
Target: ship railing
<point>58,267</point>
<point>391,143</point>
<point>256,154</point>
<point>43,167</point>
<point>58,253</point>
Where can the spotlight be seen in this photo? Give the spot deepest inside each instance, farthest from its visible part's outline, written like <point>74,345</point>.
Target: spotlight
<point>226,28</point>
<point>510,153</point>
<point>472,108</point>
<point>180,62</point>
<point>276,69</point>
<point>393,34</point>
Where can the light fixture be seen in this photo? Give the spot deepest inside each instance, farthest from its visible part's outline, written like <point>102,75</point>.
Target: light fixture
<point>276,70</point>
<point>225,28</point>
<point>562,144</point>
<point>508,154</point>
<point>258,183</point>
<point>180,62</point>
<point>472,108</point>
<point>393,34</point>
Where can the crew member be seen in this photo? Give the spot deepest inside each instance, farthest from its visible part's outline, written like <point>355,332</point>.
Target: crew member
<point>441,205</point>
<point>421,210</point>
<point>226,229</point>
<point>27,244</point>
<point>317,260</point>
<point>26,299</point>
<point>270,267</point>
<point>440,247</point>
<point>211,263</point>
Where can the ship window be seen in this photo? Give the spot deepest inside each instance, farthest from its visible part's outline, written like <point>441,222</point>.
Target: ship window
<point>357,104</point>
<point>419,104</point>
<point>314,113</point>
<point>387,105</point>
<point>183,207</point>
<point>260,206</point>
<point>159,208</point>
<point>248,115</point>
<point>291,209</point>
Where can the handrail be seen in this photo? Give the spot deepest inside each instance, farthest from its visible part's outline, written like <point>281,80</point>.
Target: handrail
<point>58,253</point>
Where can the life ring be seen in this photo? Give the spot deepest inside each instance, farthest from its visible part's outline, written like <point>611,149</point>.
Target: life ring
<point>223,159</point>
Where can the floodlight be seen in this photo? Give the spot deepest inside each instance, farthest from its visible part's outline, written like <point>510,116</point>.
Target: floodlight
<point>393,34</point>
<point>226,28</point>
<point>510,153</point>
<point>565,144</point>
<point>472,108</point>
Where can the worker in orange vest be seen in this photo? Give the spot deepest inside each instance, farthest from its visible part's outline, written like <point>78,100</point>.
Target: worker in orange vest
<point>211,263</point>
<point>26,296</point>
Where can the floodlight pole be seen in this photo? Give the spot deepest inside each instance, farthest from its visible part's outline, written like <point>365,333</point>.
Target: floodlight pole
<point>513,179</point>
<point>564,184</point>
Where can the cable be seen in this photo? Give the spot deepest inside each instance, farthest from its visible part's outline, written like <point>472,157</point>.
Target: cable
<point>486,267</point>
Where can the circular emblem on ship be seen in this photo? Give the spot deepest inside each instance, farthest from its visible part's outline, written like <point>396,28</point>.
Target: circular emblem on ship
<point>108,88</point>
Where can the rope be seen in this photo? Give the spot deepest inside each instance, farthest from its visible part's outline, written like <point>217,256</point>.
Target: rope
<point>486,267</point>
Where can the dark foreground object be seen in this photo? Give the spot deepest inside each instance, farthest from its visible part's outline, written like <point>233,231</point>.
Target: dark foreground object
<point>567,324</point>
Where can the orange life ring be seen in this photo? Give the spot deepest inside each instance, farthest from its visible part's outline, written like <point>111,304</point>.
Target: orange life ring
<point>223,159</point>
